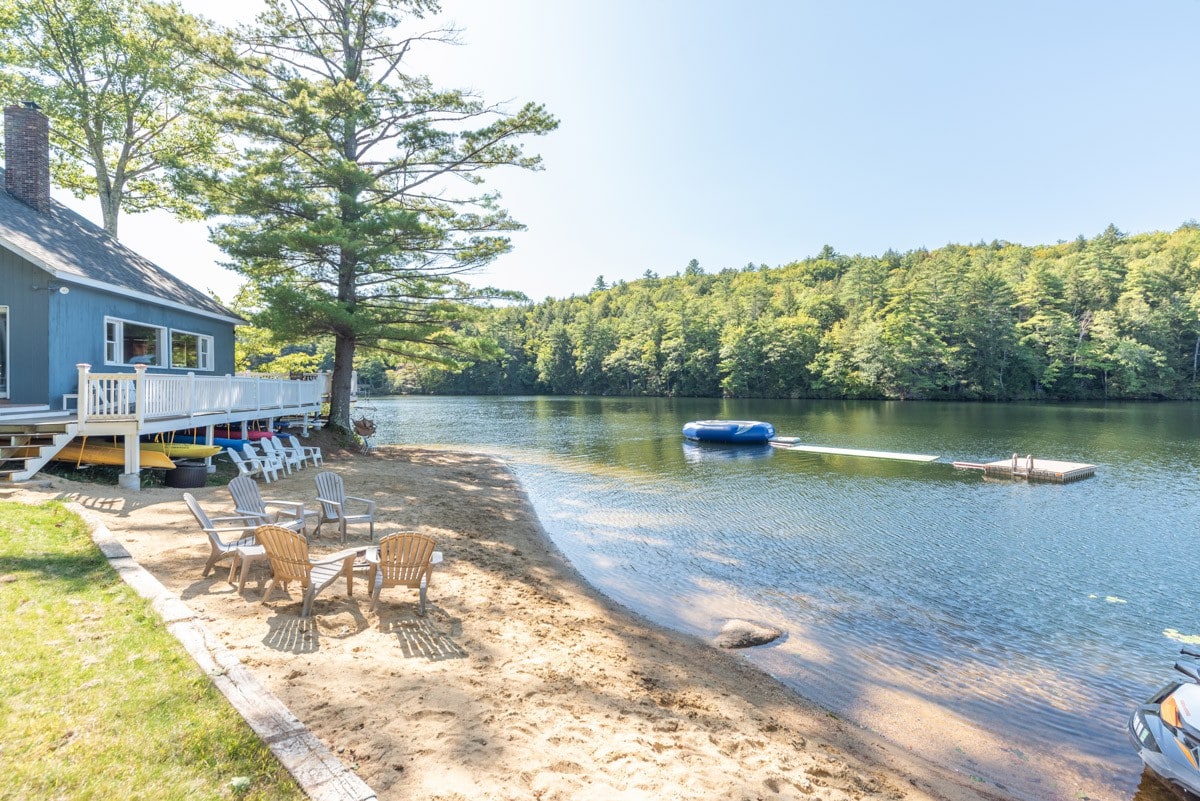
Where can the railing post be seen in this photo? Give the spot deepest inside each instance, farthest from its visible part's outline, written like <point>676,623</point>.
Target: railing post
<point>81,412</point>
<point>228,393</point>
<point>191,405</point>
<point>139,393</point>
<point>258,393</point>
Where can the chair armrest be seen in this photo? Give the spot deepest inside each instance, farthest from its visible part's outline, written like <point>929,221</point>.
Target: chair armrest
<point>243,516</point>
<point>297,507</point>
<point>332,560</point>
<point>228,529</point>
<point>251,515</point>
<point>333,503</point>
<point>370,504</point>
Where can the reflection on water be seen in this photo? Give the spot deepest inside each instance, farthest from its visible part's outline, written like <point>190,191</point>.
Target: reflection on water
<point>1036,614</point>
<point>717,451</point>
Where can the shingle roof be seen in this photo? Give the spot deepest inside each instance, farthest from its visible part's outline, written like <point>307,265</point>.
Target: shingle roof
<point>71,246</point>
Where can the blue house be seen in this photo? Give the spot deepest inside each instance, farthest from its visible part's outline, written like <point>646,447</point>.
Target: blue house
<point>97,340</point>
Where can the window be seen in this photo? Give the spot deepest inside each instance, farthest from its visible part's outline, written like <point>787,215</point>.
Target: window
<point>127,342</point>
<point>191,351</point>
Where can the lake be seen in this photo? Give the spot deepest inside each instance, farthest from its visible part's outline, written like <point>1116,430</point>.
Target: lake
<point>1004,628</point>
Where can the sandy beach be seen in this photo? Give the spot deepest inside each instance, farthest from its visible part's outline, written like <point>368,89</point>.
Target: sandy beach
<point>521,681</point>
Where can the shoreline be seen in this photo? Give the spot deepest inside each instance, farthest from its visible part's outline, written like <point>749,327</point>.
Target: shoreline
<point>523,679</point>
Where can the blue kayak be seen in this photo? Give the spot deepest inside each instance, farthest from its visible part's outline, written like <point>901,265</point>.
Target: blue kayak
<point>734,431</point>
<point>224,442</point>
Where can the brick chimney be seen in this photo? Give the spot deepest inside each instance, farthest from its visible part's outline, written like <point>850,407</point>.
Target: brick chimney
<point>27,155</point>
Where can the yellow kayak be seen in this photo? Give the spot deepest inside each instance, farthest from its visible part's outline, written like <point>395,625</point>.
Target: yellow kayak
<point>76,452</point>
<point>182,450</point>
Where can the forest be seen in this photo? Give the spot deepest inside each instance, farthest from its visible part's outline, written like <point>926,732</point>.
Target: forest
<point>1112,317</point>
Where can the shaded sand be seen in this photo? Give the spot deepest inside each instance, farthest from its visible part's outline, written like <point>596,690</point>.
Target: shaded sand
<point>521,682</point>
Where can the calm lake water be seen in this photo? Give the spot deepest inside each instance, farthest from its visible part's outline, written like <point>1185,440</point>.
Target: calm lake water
<point>1032,618</point>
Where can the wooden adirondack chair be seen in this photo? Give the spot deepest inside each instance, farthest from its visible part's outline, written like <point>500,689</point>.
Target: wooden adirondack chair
<point>405,560</point>
<point>244,551</point>
<point>288,553</point>
<point>333,499</point>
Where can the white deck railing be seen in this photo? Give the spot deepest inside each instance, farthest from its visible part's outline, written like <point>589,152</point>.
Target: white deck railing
<point>112,397</point>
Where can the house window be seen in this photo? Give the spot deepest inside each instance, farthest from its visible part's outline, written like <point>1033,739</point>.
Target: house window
<point>127,342</point>
<point>191,351</point>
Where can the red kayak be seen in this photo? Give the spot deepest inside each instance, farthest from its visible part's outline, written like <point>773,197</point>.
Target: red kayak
<point>236,433</point>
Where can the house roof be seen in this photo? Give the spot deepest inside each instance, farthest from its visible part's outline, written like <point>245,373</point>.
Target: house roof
<point>75,250</point>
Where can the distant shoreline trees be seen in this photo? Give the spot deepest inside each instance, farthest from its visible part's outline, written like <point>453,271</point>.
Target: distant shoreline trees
<point>1112,317</point>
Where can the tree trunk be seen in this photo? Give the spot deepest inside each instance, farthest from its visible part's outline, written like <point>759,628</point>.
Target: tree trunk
<point>110,208</point>
<point>339,392</point>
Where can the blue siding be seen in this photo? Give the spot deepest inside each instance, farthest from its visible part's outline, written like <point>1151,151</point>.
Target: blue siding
<point>28,320</point>
<point>52,333</point>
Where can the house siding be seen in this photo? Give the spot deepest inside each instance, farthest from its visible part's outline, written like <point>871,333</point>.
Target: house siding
<point>51,333</point>
<point>77,334</point>
<point>28,320</point>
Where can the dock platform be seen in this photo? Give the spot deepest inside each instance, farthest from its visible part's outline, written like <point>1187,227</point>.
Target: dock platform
<point>1031,469</point>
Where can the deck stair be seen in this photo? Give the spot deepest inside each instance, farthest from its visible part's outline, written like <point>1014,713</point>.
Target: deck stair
<point>26,446</point>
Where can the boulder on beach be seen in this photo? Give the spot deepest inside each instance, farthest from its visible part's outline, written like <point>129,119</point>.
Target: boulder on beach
<point>745,634</point>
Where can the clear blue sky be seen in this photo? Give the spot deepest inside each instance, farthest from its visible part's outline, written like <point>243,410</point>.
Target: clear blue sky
<point>761,131</point>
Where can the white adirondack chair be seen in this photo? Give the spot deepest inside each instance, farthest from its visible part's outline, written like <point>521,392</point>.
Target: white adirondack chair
<point>305,452</point>
<point>271,464</point>
<point>248,465</point>
<point>289,460</point>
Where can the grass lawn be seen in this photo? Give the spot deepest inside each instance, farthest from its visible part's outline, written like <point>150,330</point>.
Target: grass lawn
<point>97,699</point>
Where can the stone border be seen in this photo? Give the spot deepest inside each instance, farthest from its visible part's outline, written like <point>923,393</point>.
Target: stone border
<point>320,774</point>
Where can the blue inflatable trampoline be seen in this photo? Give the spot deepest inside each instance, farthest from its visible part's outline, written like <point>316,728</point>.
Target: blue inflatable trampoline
<point>734,431</point>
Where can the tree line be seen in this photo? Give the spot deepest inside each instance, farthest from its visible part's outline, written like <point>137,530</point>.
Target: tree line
<point>1115,317</point>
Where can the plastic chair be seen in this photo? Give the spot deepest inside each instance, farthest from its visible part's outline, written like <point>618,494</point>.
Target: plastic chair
<point>332,497</point>
<point>268,462</point>
<point>243,551</point>
<point>288,554</point>
<point>404,560</point>
<point>287,458</point>
<point>247,500</point>
<point>304,452</point>
<point>249,466</point>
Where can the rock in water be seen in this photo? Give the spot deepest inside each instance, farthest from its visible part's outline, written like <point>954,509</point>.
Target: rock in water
<point>746,634</point>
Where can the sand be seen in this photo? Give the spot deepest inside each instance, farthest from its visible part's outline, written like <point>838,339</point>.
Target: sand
<point>521,681</point>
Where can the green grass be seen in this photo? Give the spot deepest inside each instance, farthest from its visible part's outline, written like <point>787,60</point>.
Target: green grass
<point>97,699</point>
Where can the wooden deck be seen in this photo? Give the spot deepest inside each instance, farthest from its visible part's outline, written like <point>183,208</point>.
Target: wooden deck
<point>1031,469</point>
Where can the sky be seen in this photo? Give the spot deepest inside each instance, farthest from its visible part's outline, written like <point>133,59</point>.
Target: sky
<point>761,131</point>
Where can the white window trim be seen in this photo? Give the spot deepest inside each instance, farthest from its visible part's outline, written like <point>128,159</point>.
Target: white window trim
<point>163,337</point>
<point>202,352</point>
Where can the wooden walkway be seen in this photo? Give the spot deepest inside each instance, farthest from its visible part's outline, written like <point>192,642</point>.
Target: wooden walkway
<point>1031,469</point>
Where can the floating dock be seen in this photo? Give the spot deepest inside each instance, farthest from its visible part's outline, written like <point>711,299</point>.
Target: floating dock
<point>1031,469</point>
<point>793,444</point>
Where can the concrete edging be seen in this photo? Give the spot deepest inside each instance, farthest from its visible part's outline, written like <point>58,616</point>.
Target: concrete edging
<point>321,775</point>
